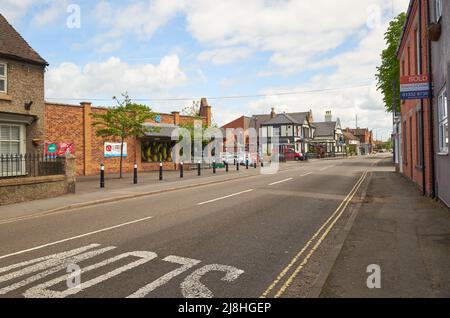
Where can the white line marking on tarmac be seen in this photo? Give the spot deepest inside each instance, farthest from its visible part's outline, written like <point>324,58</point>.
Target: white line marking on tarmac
<point>76,237</point>
<point>323,169</point>
<point>282,181</point>
<point>306,174</point>
<point>226,197</point>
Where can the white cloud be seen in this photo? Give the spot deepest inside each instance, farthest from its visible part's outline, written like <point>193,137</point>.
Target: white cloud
<point>112,77</point>
<point>51,11</point>
<point>225,55</point>
<point>13,9</point>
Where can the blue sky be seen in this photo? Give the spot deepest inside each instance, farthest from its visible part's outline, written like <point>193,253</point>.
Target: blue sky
<point>164,49</point>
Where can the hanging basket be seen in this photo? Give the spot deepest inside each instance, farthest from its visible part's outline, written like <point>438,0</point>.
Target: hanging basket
<point>434,31</point>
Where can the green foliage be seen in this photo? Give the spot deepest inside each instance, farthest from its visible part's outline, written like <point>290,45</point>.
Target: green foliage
<point>389,70</point>
<point>123,121</point>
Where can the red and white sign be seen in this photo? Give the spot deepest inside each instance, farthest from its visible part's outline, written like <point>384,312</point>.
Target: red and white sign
<point>112,150</point>
<point>414,87</point>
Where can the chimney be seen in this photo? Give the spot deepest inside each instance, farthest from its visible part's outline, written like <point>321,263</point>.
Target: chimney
<point>328,116</point>
<point>205,111</point>
<point>273,113</point>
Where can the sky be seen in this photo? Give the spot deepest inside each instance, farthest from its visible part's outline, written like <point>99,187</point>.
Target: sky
<point>295,56</point>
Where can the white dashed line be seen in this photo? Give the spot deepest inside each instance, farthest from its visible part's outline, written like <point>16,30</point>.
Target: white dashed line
<point>282,181</point>
<point>306,174</point>
<point>226,197</point>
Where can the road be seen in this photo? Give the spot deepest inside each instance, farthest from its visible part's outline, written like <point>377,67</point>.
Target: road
<point>242,238</point>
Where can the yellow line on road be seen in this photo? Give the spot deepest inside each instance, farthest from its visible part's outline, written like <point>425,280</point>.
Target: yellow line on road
<point>341,208</point>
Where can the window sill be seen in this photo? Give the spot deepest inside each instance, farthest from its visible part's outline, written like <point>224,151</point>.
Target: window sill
<point>6,97</point>
<point>443,154</point>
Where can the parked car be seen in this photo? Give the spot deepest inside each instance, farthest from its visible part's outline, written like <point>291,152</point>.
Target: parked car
<point>292,153</point>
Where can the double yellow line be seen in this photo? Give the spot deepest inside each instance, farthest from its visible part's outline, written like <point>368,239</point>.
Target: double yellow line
<point>321,234</point>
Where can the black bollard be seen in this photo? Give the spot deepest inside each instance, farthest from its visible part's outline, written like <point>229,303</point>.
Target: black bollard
<point>254,165</point>
<point>181,170</point>
<point>214,167</point>
<point>237,165</point>
<point>160,171</point>
<point>199,169</point>
<point>102,175</point>
<point>135,174</point>
<point>246,164</point>
<point>226,167</point>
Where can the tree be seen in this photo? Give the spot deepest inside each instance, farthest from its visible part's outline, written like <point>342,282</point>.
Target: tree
<point>389,70</point>
<point>123,121</point>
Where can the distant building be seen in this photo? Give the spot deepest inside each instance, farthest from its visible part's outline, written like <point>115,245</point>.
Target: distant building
<point>365,137</point>
<point>353,143</point>
<point>328,137</point>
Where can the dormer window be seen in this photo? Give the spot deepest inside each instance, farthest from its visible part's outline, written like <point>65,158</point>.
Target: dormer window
<point>3,78</point>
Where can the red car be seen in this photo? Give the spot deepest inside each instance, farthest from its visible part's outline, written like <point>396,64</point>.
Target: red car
<point>293,154</point>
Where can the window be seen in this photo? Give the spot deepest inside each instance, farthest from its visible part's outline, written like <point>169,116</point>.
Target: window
<point>419,138</point>
<point>438,9</point>
<point>3,77</point>
<point>443,122</point>
<point>11,143</point>
<point>418,55</point>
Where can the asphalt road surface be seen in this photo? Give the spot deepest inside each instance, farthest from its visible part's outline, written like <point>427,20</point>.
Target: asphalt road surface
<point>240,238</point>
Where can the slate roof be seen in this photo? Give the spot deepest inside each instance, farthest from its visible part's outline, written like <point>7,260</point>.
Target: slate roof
<point>282,119</point>
<point>325,129</point>
<point>13,46</point>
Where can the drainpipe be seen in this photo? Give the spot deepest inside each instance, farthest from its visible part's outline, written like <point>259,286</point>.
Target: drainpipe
<point>431,119</point>
<point>422,137</point>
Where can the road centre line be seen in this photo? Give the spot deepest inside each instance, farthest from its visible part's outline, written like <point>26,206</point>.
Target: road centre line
<point>306,174</point>
<point>282,181</point>
<point>76,237</point>
<point>226,197</point>
<point>303,250</point>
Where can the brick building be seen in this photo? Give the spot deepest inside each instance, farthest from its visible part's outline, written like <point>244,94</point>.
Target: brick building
<point>22,124</point>
<point>413,55</point>
<point>365,137</point>
<point>70,127</point>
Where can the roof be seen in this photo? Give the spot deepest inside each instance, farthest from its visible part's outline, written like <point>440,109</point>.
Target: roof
<point>325,128</point>
<point>282,119</point>
<point>359,131</point>
<point>13,46</point>
<point>350,136</point>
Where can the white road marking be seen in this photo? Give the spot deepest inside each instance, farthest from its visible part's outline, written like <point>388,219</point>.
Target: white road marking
<point>42,291</point>
<point>52,266</point>
<point>226,197</point>
<point>306,174</point>
<point>191,287</point>
<point>282,181</point>
<point>323,169</point>
<point>75,237</point>
<point>187,264</point>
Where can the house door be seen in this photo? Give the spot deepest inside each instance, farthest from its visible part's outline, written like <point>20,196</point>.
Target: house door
<point>12,144</point>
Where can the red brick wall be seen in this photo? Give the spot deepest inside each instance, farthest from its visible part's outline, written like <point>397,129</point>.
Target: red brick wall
<point>62,124</point>
<point>68,123</point>
<point>410,109</point>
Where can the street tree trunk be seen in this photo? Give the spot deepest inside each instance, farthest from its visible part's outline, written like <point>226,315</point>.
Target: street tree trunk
<point>121,157</point>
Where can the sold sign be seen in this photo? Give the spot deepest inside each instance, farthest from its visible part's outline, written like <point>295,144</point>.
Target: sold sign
<point>414,87</point>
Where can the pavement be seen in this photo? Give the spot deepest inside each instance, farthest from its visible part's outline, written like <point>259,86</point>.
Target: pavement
<point>405,234</point>
<point>257,236</point>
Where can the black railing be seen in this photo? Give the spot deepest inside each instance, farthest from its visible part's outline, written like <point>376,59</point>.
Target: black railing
<point>30,165</point>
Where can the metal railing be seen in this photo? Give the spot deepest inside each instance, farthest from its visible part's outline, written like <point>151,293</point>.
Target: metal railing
<point>30,165</point>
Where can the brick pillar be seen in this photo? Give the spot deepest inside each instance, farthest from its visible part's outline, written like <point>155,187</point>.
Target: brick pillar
<point>176,118</point>
<point>87,138</point>
<point>70,171</point>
